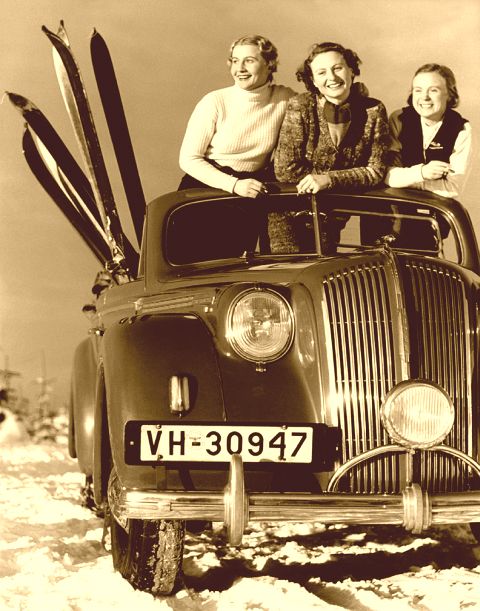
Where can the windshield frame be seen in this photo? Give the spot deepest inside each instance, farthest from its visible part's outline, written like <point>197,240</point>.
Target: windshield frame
<point>158,266</point>
<point>315,209</point>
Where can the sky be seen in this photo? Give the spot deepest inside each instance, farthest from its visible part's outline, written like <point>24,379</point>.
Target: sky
<point>167,55</point>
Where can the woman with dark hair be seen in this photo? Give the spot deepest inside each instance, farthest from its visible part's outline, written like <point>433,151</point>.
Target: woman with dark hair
<point>232,132</point>
<point>431,144</point>
<point>333,135</point>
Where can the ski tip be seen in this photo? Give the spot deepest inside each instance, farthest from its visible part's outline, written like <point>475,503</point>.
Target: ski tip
<point>97,39</point>
<point>62,32</point>
<point>18,100</point>
<point>60,36</point>
<point>52,37</point>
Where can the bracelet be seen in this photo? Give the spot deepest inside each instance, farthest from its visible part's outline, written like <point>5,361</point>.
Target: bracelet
<point>234,185</point>
<point>421,171</point>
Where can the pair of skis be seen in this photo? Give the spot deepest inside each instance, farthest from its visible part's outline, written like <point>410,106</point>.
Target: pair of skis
<point>88,203</point>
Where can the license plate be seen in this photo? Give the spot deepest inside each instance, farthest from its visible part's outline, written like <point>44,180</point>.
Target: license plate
<point>217,443</point>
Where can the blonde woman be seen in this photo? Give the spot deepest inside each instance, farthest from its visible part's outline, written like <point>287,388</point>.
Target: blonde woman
<point>233,131</point>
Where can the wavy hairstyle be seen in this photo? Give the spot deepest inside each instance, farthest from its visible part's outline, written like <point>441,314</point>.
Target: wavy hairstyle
<point>453,97</point>
<point>267,50</point>
<point>304,73</point>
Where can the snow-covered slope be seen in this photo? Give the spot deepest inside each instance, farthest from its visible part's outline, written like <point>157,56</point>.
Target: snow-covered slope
<point>51,557</point>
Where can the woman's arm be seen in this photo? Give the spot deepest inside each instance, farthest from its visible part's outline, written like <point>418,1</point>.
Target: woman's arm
<point>451,184</point>
<point>289,161</point>
<point>377,138</point>
<point>198,136</point>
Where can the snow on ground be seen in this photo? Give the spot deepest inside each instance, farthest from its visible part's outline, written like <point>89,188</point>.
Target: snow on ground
<point>51,556</point>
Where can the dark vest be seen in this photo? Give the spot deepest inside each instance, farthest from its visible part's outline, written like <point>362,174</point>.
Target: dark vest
<point>441,146</point>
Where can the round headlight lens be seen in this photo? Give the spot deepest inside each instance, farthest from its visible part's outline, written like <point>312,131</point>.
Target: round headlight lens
<point>260,325</point>
<point>418,414</point>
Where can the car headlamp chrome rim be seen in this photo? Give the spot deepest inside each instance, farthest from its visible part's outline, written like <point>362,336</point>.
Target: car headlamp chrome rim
<point>418,414</point>
<point>260,325</point>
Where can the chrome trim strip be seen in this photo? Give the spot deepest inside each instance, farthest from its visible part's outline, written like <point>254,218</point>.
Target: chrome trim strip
<point>353,462</point>
<point>128,309</point>
<point>395,448</point>
<point>153,305</point>
<point>461,456</point>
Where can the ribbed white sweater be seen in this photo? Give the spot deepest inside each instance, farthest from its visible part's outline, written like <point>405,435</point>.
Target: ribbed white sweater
<point>235,128</point>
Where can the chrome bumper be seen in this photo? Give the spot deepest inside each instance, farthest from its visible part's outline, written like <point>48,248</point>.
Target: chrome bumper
<point>414,508</point>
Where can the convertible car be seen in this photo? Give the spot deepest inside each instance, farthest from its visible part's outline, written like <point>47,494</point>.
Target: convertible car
<point>285,358</point>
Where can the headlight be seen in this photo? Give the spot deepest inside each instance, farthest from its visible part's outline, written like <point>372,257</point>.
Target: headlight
<point>260,325</point>
<point>418,414</point>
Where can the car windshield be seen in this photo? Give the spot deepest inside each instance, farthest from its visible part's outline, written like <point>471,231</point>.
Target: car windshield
<point>283,224</point>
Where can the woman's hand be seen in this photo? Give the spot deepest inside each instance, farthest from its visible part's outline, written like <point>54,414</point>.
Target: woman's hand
<point>249,187</point>
<point>313,183</point>
<point>433,170</point>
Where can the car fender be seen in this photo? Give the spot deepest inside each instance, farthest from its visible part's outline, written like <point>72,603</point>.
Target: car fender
<point>81,416</point>
<point>140,355</point>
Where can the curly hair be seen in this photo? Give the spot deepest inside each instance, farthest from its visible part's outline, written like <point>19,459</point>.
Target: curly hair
<point>453,97</point>
<point>304,73</point>
<point>267,50</point>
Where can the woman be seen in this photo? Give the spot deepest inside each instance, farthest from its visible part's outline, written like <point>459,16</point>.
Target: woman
<point>232,132</point>
<point>431,144</point>
<point>333,135</point>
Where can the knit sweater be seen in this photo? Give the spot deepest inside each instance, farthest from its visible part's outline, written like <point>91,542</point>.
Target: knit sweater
<point>306,146</point>
<point>233,127</point>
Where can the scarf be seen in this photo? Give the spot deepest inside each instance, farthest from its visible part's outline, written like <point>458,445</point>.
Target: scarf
<point>338,117</point>
<point>337,113</point>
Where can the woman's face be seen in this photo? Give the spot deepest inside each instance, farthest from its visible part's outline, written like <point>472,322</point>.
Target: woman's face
<point>332,76</point>
<point>248,68</point>
<point>430,95</point>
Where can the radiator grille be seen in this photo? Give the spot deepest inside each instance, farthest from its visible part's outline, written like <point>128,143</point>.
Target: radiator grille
<point>441,353</point>
<point>362,318</point>
<point>363,358</point>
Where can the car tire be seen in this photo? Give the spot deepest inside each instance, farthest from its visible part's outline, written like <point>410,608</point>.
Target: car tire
<point>475,528</point>
<point>149,553</point>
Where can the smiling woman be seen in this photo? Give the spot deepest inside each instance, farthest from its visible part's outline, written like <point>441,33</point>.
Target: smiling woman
<point>333,135</point>
<point>431,144</point>
<point>232,132</point>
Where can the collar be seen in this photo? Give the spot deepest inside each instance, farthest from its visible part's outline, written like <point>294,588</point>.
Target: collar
<point>433,127</point>
<point>254,93</point>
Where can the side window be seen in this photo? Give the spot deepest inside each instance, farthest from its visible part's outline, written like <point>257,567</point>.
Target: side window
<point>208,231</point>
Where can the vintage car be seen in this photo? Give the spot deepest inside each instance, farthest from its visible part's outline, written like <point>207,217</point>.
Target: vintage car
<point>284,358</point>
<point>238,378</point>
